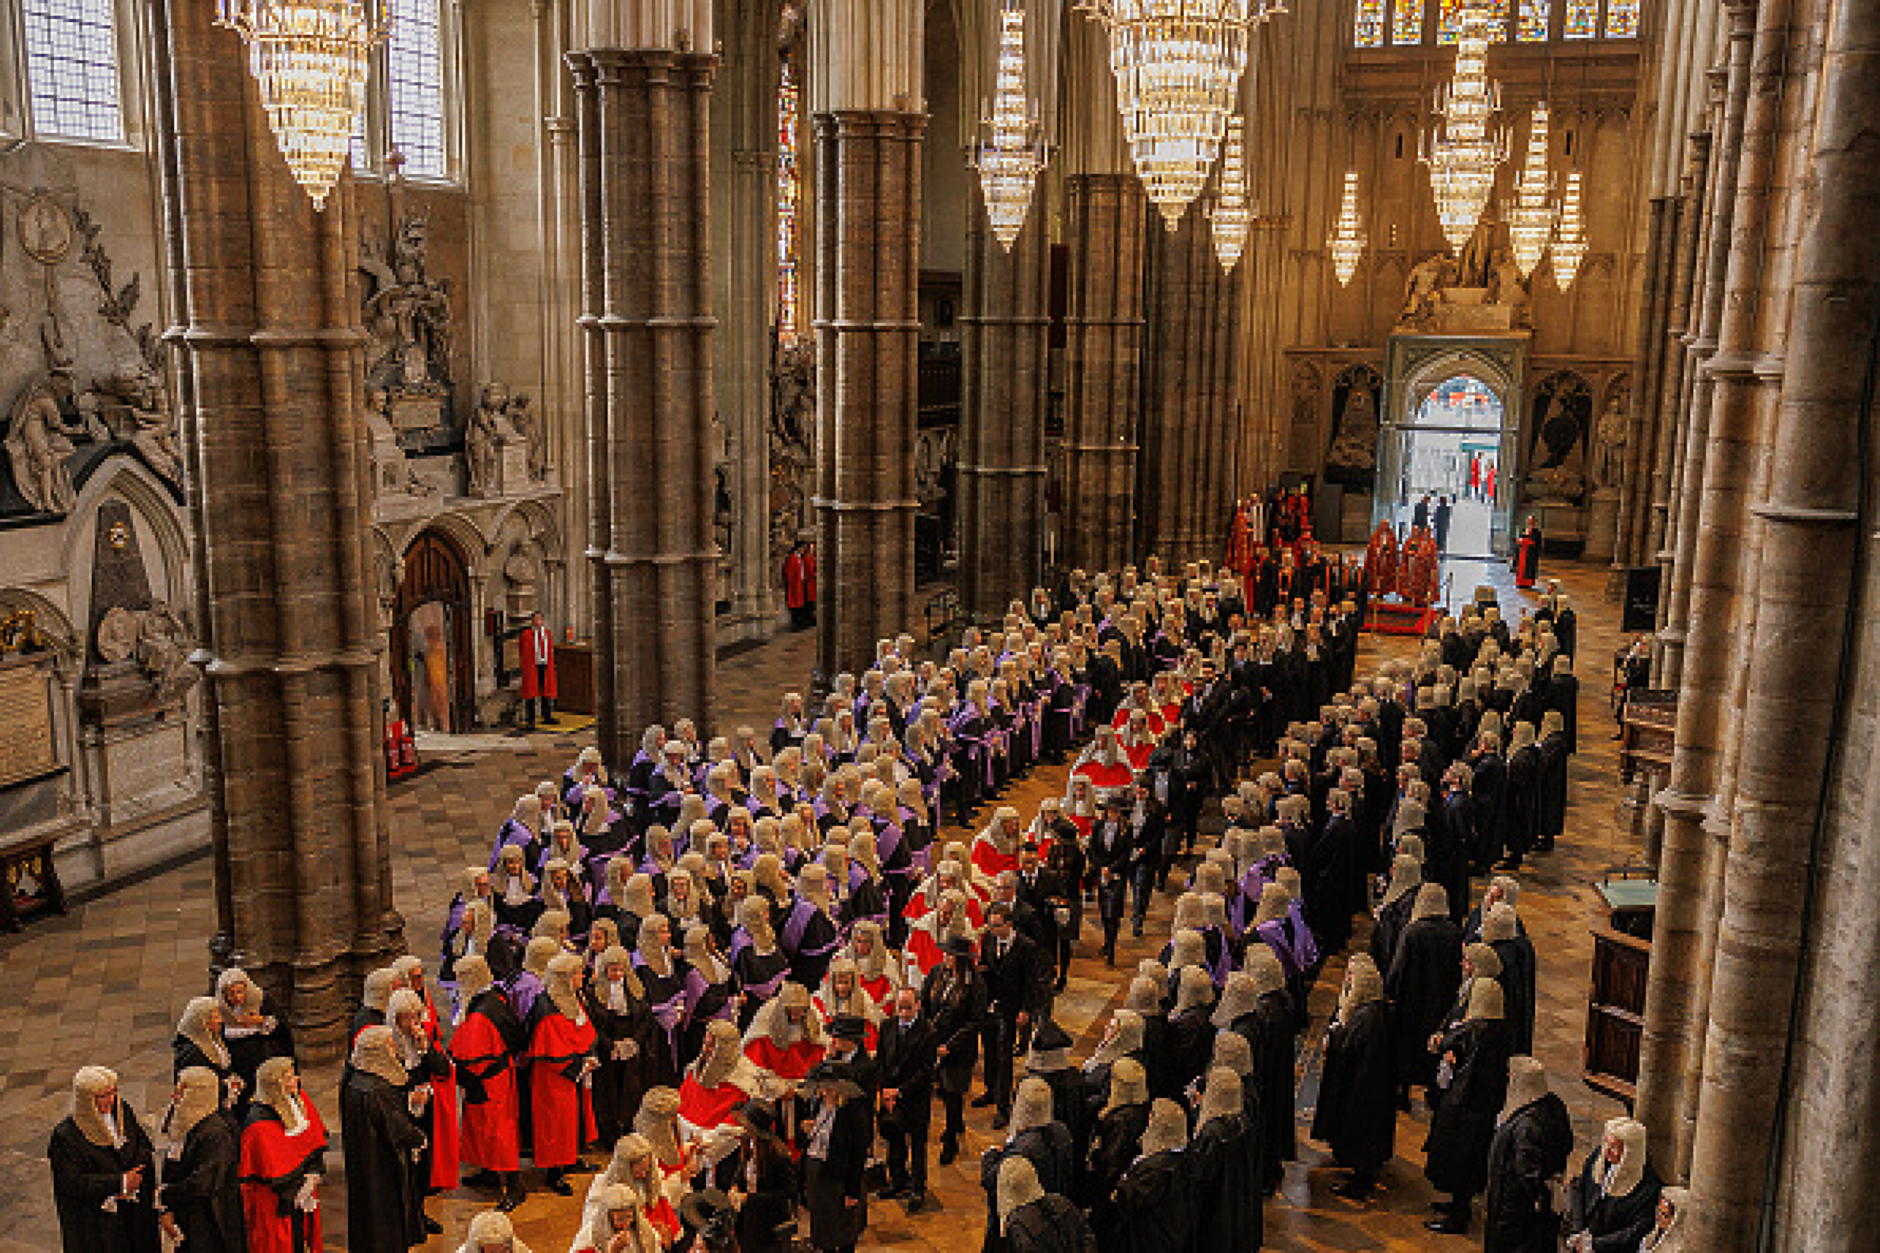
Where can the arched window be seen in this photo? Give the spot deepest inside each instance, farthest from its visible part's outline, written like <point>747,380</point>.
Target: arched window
<point>72,83</point>
<point>1622,19</point>
<point>789,202</point>
<point>1582,20</point>
<point>1406,22</point>
<point>1370,29</point>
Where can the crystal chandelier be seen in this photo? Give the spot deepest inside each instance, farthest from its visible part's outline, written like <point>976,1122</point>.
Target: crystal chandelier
<point>1347,242</point>
<point>1013,152</point>
<point>1462,157</point>
<point>311,59</point>
<point>1530,213</point>
<point>1230,215</point>
<point>1178,65</point>
<point>1570,236</point>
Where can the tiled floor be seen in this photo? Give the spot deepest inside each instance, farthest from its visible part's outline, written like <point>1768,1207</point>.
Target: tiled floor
<point>105,983</point>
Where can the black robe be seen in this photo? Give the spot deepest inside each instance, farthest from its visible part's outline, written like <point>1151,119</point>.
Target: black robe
<point>86,1175</point>
<point>1155,1056</point>
<point>1274,1078</point>
<point>1517,986</point>
<point>201,1188</point>
<point>1049,1224</point>
<point>1356,1115</point>
<point>1490,792</point>
<point>1224,1173</point>
<point>1155,1206</point>
<point>1190,1047</point>
<point>1047,1148</point>
<point>1114,1144</point>
<point>1388,928</point>
<point>1421,985</point>
<point>1529,1150</point>
<point>380,1138</point>
<point>1464,1122</point>
<point>1617,1224</point>
<point>1523,801</point>
<point>1553,787</point>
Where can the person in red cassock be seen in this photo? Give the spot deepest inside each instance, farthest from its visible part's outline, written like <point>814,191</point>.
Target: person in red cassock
<point>401,753</point>
<point>484,1047</point>
<point>561,1050</point>
<point>716,1086</point>
<point>441,1121</point>
<point>283,1158</point>
<point>537,648</point>
<point>1527,554</point>
<point>799,583</point>
<point>786,1038</point>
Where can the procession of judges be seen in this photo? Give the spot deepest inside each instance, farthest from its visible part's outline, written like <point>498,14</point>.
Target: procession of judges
<point>732,978</point>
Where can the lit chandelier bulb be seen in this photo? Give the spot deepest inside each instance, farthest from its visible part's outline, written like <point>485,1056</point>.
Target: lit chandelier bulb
<point>310,59</point>
<point>1531,215</point>
<point>1348,241</point>
<point>1230,217</point>
<point>1012,154</point>
<point>1570,236</point>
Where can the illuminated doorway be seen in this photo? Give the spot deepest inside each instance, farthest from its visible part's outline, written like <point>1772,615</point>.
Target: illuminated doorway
<point>1450,463</point>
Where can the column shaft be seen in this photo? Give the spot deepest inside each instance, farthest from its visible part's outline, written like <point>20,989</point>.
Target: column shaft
<point>265,293</point>
<point>1106,219</point>
<point>644,116</point>
<point>1001,464</point>
<point>867,322</point>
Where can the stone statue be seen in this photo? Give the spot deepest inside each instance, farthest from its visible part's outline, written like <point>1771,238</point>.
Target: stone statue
<point>483,441</point>
<point>408,315</point>
<point>1609,441</point>
<point>1474,266</point>
<point>1423,290</point>
<point>163,647</point>
<point>1355,445</point>
<point>141,415</point>
<point>533,432</point>
<point>37,450</point>
<point>1505,286</point>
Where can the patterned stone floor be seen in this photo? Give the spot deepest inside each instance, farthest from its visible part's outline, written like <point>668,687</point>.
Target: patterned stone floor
<point>104,984</point>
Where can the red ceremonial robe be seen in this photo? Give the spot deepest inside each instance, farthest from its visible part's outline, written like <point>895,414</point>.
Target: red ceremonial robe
<point>271,1157</point>
<point>1105,778</point>
<point>562,1108</point>
<point>878,989</point>
<point>989,859</point>
<point>525,647</point>
<point>710,1108</point>
<point>443,1112</point>
<point>791,1063</point>
<point>490,1135</point>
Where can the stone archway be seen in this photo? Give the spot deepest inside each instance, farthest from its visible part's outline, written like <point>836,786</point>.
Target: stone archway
<point>433,670</point>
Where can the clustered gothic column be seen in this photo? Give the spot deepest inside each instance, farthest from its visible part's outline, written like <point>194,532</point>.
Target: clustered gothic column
<point>1757,1074</point>
<point>1107,214</point>
<point>865,95</point>
<point>270,355</point>
<point>1106,219</point>
<point>643,114</point>
<point>1187,464</point>
<point>1001,462</point>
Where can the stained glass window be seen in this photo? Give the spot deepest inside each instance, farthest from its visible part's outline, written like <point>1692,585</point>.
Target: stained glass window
<point>789,202</point>
<point>1582,19</point>
<point>1406,22</point>
<point>1449,28</point>
<point>1534,15</point>
<point>1621,19</point>
<point>414,79</point>
<point>1369,32</point>
<point>71,69</point>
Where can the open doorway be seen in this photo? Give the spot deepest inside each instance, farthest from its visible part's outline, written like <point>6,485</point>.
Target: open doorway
<point>1449,468</point>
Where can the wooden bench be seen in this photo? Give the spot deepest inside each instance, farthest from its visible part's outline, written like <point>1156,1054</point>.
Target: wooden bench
<point>31,859</point>
<point>1647,733</point>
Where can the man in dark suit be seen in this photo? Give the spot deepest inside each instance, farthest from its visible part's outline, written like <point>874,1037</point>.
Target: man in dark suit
<point>1109,867</point>
<point>905,1061</point>
<point>1147,822</point>
<point>1018,992</point>
<point>1039,892</point>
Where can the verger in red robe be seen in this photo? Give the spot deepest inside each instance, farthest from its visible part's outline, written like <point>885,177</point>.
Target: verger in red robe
<point>443,1112</point>
<point>274,1165</point>
<point>562,1109</point>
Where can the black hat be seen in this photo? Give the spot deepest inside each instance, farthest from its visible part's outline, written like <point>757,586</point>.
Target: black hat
<point>699,1210</point>
<point>760,1119</point>
<point>1050,1036</point>
<point>848,1027</point>
<point>833,1077</point>
<point>957,946</point>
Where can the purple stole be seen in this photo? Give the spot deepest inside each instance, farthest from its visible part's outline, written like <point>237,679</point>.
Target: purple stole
<point>511,832</point>
<point>670,1012</point>
<point>796,924</point>
<point>522,993</point>
<point>696,986</point>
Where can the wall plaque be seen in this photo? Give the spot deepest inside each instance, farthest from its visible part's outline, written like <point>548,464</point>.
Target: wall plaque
<point>26,744</point>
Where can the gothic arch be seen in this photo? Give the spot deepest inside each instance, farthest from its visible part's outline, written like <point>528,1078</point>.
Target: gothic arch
<point>154,508</point>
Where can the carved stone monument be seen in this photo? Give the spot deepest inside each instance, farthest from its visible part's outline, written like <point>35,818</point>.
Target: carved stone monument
<point>408,318</point>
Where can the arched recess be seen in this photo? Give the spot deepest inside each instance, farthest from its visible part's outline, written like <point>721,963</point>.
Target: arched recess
<point>432,670</point>
<point>1416,365</point>
<point>160,534</point>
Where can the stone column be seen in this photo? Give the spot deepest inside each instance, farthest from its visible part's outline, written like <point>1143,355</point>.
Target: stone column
<point>1668,425</point>
<point>647,314</point>
<point>268,340</point>
<point>1001,463</point>
<point>1170,385</point>
<point>746,278</point>
<point>1105,218</point>
<point>867,324</point>
<point>1677,985</point>
<point>1660,242</point>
